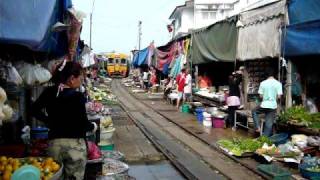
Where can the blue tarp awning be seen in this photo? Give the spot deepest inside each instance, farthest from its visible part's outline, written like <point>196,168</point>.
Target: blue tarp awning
<point>301,11</point>
<point>303,39</point>
<point>29,23</point>
<point>140,57</point>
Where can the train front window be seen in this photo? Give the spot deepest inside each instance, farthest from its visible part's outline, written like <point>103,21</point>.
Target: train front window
<point>111,60</point>
<point>123,61</point>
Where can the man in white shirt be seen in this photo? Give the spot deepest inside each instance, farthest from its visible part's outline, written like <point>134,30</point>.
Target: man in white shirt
<point>187,91</point>
<point>270,90</point>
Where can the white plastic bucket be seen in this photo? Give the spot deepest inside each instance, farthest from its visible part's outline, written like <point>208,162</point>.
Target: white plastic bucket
<point>106,134</point>
<point>207,122</point>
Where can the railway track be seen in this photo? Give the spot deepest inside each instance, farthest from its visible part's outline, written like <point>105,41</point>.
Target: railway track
<point>191,156</point>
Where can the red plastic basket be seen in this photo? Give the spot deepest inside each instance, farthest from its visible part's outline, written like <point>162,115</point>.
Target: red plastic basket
<point>218,123</point>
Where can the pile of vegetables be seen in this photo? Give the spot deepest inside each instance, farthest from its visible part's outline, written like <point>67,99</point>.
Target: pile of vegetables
<point>287,150</point>
<point>298,115</point>
<point>312,163</point>
<point>103,96</point>
<point>238,146</point>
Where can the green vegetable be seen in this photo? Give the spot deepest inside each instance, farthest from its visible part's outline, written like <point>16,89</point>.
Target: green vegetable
<point>265,139</point>
<point>314,169</point>
<point>299,115</point>
<point>239,146</point>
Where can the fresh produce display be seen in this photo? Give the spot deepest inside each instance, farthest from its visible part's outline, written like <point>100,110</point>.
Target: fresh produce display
<point>310,167</point>
<point>114,167</point>
<point>298,115</point>
<point>282,151</point>
<point>106,122</point>
<point>313,140</point>
<point>103,96</point>
<point>239,146</point>
<point>314,168</point>
<point>47,166</point>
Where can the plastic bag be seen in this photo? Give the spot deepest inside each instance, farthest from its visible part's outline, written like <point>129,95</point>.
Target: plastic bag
<point>13,75</point>
<point>2,115</point>
<point>41,74</point>
<point>34,74</point>
<point>93,151</point>
<point>3,96</point>
<point>74,31</point>
<point>8,112</point>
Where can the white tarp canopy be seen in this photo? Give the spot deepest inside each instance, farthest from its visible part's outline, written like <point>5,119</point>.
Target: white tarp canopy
<point>259,32</point>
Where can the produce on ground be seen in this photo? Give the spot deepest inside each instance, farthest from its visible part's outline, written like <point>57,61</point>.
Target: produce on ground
<point>238,146</point>
<point>313,163</point>
<point>47,166</point>
<point>113,167</point>
<point>298,115</point>
<point>282,151</point>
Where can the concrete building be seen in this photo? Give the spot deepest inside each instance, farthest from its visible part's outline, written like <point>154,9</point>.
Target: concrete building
<point>195,14</point>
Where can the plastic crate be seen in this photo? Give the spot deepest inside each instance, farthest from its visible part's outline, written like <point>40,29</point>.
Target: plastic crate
<point>276,172</point>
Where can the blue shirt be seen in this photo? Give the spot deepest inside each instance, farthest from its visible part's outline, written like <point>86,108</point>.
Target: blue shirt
<point>269,90</point>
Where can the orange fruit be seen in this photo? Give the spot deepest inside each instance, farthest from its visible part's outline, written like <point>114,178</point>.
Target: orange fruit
<point>15,167</point>
<point>3,158</point>
<point>9,168</point>
<point>55,167</point>
<point>1,168</point>
<point>6,175</point>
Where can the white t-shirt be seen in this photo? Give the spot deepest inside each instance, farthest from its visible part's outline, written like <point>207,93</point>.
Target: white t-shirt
<point>145,76</point>
<point>188,85</point>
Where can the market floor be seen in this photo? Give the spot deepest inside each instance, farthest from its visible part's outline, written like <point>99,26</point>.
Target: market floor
<point>158,171</point>
<point>145,162</point>
<point>189,123</point>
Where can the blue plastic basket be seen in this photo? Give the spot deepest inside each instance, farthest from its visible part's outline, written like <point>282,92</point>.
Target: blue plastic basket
<point>199,112</point>
<point>308,174</point>
<point>280,138</point>
<point>39,133</point>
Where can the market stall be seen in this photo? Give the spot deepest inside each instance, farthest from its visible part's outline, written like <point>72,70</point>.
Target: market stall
<point>213,52</point>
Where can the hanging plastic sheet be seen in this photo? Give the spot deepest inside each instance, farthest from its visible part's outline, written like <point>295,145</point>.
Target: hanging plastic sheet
<point>19,26</point>
<point>150,54</point>
<point>177,66</point>
<point>259,35</point>
<point>140,57</point>
<point>301,11</point>
<point>215,43</point>
<point>302,39</point>
<point>164,57</point>
<point>165,70</point>
<point>76,18</point>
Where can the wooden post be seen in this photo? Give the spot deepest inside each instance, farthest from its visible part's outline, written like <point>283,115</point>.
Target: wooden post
<point>289,85</point>
<point>196,73</point>
<point>245,80</point>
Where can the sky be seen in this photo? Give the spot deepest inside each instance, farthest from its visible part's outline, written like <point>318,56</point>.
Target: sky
<point>115,23</point>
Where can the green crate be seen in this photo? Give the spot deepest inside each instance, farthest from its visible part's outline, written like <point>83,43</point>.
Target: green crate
<point>109,147</point>
<point>276,172</point>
